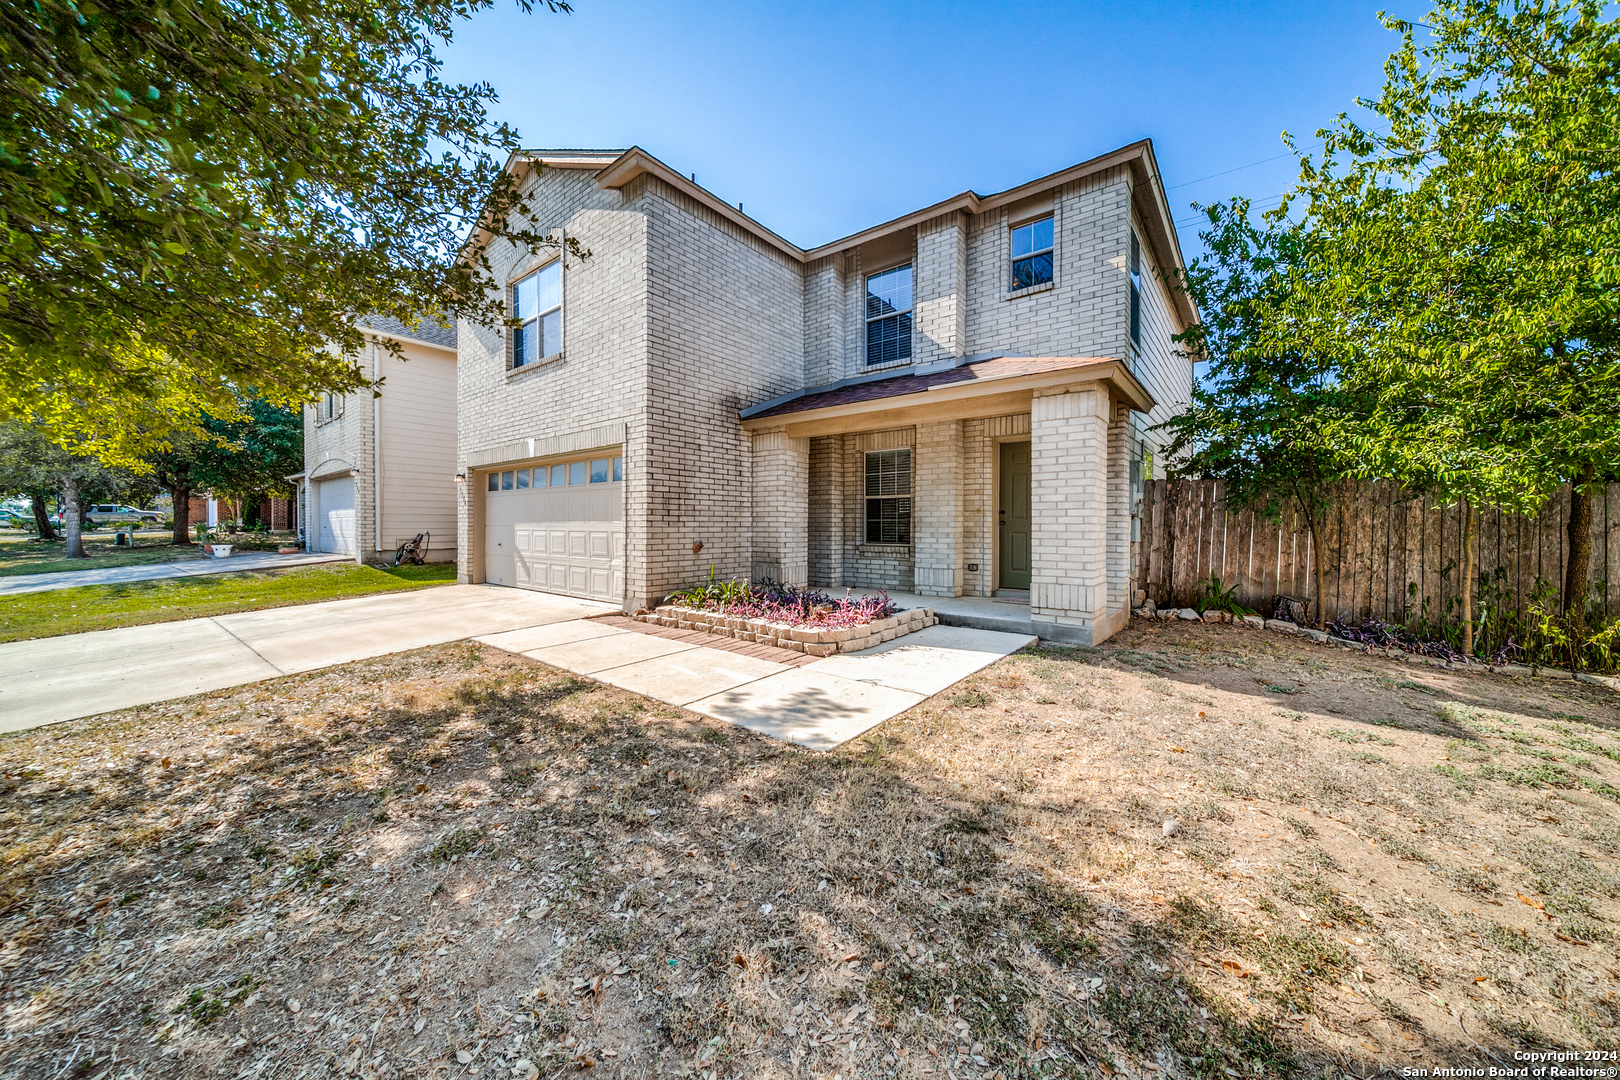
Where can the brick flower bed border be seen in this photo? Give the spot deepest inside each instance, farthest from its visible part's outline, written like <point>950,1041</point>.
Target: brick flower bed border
<point>815,640</point>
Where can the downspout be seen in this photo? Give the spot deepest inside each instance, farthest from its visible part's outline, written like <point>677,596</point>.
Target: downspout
<point>376,451</point>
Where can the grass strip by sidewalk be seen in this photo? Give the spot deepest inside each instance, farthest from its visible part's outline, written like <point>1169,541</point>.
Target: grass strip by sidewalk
<point>102,607</point>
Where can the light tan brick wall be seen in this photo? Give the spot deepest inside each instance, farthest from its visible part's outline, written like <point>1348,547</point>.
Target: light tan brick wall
<point>726,330</point>
<point>1119,506</point>
<point>936,514</point>
<point>825,313</point>
<point>781,508</point>
<point>600,380</point>
<point>872,566</point>
<point>940,284</point>
<point>1085,312</point>
<point>981,440</point>
<point>1069,485</point>
<point>827,519</point>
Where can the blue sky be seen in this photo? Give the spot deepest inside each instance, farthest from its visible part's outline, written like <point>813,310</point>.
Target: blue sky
<point>825,118</point>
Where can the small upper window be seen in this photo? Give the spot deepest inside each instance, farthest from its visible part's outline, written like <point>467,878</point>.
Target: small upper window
<point>537,305</point>
<point>522,479</point>
<point>330,407</point>
<point>494,481</point>
<point>618,469</point>
<point>888,316</point>
<point>576,473</point>
<point>1032,254</point>
<point>1136,289</point>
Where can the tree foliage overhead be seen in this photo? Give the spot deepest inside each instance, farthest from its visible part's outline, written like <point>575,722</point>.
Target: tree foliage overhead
<point>1259,417</point>
<point>1467,263</point>
<point>201,197</point>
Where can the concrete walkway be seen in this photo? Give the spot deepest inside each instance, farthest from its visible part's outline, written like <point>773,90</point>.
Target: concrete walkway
<point>61,678</point>
<point>117,575</point>
<point>819,704</point>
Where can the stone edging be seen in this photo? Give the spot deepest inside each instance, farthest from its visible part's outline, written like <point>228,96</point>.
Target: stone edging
<point>815,640</point>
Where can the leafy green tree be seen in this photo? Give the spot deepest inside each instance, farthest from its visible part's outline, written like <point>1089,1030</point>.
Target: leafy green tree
<point>32,463</point>
<point>1259,415</point>
<point>248,454</point>
<point>199,198</point>
<point>1466,264</point>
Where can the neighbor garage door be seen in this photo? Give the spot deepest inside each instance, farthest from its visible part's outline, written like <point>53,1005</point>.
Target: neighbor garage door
<point>336,507</point>
<point>557,527</point>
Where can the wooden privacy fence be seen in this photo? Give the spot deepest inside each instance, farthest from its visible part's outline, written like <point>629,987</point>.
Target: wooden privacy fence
<point>1387,553</point>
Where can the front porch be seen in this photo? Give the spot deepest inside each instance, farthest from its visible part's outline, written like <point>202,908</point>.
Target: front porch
<point>1013,475</point>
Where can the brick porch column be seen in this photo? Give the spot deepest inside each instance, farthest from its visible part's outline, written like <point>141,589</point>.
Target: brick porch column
<point>781,540</point>
<point>1069,507</point>
<point>1119,509</point>
<point>936,509</point>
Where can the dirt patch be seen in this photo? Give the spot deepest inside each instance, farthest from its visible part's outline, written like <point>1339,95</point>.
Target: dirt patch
<point>1196,851</point>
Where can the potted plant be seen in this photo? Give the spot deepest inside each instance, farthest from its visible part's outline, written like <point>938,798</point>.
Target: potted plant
<point>205,537</point>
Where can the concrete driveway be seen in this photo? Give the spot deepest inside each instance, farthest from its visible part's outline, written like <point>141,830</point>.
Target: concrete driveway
<point>61,678</point>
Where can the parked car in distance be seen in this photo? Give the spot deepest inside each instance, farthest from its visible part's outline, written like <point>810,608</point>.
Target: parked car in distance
<point>10,519</point>
<point>114,514</point>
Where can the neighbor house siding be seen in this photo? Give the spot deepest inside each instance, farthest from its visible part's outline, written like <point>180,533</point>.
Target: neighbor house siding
<point>417,439</point>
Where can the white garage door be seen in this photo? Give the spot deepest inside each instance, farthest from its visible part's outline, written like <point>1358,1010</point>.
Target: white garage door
<point>557,527</point>
<point>336,507</point>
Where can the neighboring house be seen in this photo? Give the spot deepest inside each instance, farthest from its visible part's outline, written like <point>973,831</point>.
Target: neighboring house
<point>952,403</point>
<point>378,469</point>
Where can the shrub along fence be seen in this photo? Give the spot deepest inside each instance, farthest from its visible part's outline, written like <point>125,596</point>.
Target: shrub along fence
<point>1388,554</point>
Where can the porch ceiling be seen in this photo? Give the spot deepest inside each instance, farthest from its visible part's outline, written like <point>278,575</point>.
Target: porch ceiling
<point>991,387</point>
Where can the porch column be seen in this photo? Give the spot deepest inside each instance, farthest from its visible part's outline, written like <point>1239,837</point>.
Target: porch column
<point>1119,509</point>
<point>1069,512</point>
<point>781,540</point>
<point>936,509</point>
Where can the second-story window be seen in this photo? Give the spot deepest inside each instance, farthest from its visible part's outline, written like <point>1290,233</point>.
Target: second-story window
<point>537,304</point>
<point>888,316</point>
<point>330,408</point>
<point>1136,289</point>
<point>1032,254</point>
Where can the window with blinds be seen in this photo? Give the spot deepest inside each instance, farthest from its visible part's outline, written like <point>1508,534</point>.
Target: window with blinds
<point>888,497</point>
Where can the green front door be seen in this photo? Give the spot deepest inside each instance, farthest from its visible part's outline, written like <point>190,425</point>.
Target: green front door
<point>1015,524</point>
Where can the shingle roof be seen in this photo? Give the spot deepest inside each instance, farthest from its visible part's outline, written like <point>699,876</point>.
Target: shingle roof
<point>430,330</point>
<point>999,367</point>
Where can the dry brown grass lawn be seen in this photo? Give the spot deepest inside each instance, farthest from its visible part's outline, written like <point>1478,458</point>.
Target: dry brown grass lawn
<point>1196,851</point>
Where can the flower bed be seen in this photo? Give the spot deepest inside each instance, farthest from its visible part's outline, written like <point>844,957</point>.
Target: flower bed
<point>817,640</point>
<point>787,618</point>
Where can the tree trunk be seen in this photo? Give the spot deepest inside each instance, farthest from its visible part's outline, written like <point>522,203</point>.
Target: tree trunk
<point>1468,575</point>
<point>70,519</point>
<point>42,518</point>
<point>1317,570</point>
<point>1578,571</point>
<point>180,495</point>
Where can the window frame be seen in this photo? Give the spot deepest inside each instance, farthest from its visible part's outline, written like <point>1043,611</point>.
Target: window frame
<point>906,515</point>
<point>907,313</point>
<point>329,408</point>
<point>538,320</point>
<point>1013,288</point>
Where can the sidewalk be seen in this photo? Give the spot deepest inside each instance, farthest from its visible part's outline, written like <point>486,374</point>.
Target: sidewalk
<point>118,575</point>
<point>819,704</point>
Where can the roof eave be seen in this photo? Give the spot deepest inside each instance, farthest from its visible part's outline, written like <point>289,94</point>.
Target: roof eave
<point>1114,372</point>
<point>636,161</point>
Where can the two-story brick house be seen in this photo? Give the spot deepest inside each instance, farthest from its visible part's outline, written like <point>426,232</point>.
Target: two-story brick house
<point>953,403</point>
